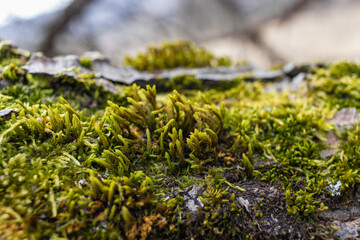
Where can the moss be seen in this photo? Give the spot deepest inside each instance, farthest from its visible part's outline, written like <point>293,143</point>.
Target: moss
<point>341,69</point>
<point>12,72</point>
<point>183,82</point>
<point>10,54</point>
<point>175,54</point>
<point>86,62</point>
<point>125,164</point>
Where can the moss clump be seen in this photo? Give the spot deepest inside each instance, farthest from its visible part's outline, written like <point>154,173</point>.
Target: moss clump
<point>183,82</point>
<point>137,164</point>
<point>10,54</point>
<point>12,72</point>
<point>301,202</point>
<point>175,54</point>
<point>341,69</point>
<point>337,85</point>
<point>86,62</point>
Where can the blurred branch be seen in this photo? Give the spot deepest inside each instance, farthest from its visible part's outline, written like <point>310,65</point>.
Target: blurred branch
<point>230,6</point>
<point>252,32</point>
<point>256,38</point>
<point>60,23</point>
<point>296,8</point>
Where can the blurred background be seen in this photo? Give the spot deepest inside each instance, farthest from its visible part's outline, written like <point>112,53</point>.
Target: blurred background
<point>263,32</point>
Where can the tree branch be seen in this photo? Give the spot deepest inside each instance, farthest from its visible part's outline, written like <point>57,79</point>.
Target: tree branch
<point>60,23</point>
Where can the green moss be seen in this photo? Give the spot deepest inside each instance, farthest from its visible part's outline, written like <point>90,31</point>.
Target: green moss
<point>302,204</point>
<point>341,69</point>
<point>125,164</point>
<point>86,62</point>
<point>175,54</point>
<point>10,54</point>
<point>12,72</point>
<point>183,82</point>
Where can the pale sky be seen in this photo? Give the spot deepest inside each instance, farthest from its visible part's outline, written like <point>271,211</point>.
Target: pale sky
<point>27,8</point>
